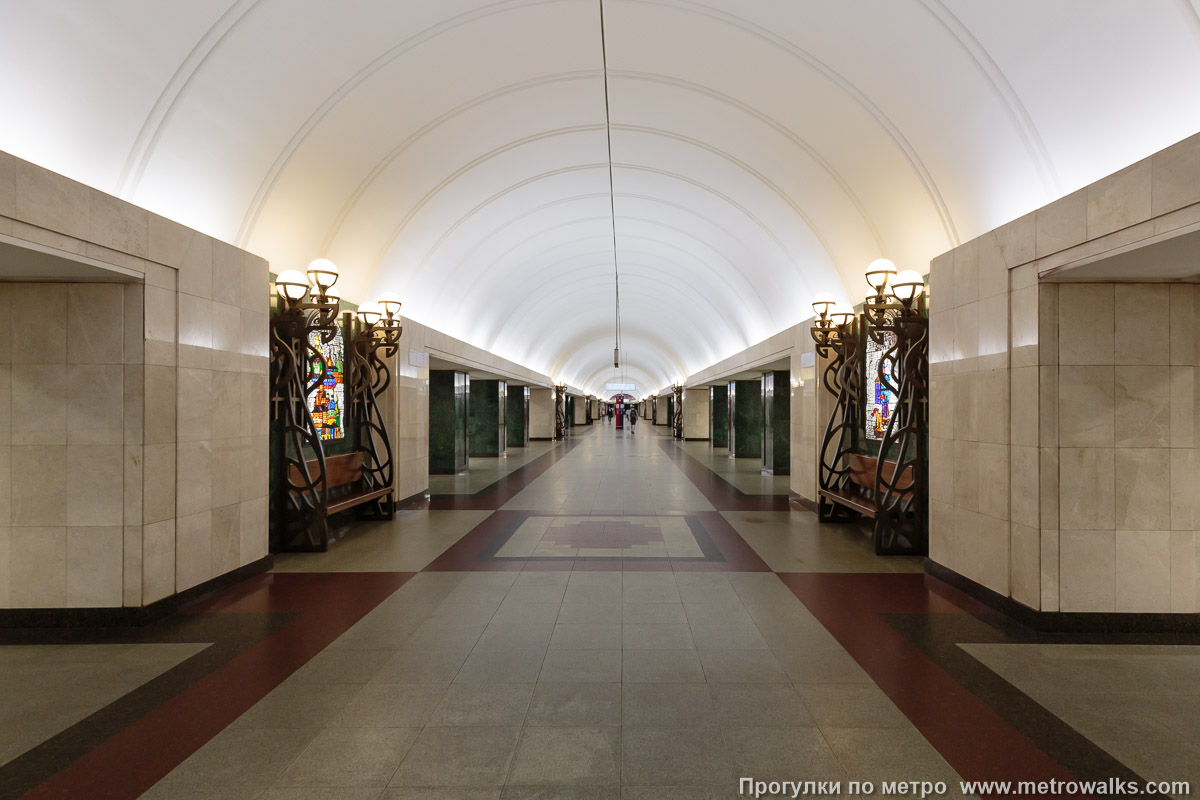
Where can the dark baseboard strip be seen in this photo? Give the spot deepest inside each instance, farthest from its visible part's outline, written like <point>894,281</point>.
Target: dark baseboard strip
<point>541,438</point>
<point>487,455</point>
<point>802,503</point>
<point>128,617</point>
<point>412,501</point>
<point>1065,622</point>
<point>695,438</point>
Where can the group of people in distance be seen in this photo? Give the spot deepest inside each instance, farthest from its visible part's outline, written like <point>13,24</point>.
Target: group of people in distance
<point>629,415</point>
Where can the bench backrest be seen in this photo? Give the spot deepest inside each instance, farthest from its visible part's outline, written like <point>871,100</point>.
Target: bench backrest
<point>340,470</point>
<point>862,472</point>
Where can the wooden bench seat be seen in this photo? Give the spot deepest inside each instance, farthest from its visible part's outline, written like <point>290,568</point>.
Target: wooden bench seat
<point>862,475</point>
<point>343,474</point>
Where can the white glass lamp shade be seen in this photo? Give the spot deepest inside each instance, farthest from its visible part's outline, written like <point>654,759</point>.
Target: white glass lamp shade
<point>841,314</point>
<point>907,285</point>
<point>291,285</point>
<point>369,313</point>
<point>389,302</point>
<point>323,273</point>
<point>880,273</point>
<point>823,303</point>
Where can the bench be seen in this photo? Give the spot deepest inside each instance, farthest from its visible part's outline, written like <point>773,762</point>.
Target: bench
<point>862,475</point>
<point>343,477</point>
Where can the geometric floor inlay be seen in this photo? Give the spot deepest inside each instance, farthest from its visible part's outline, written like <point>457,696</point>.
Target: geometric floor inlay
<point>603,537</point>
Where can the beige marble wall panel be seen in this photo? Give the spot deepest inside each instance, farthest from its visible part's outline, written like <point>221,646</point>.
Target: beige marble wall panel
<point>38,323</point>
<point>1086,483</point>
<point>1175,176</point>
<point>1026,565</point>
<point>1119,200</point>
<point>1183,329</point>
<point>95,564</point>
<point>39,403</point>
<point>158,561</point>
<point>1143,572</point>
<point>1087,570</point>
<point>1184,556</point>
<point>1086,319</point>
<point>1086,406</point>
<point>1143,406</point>
<point>38,567</point>
<point>94,331</point>
<point>1142,324</point>
<point>1061,224</point>
<point>95,477</point>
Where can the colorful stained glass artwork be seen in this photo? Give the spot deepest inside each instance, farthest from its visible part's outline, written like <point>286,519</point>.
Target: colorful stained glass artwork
<point>327,402</point>
<point>880,401</point>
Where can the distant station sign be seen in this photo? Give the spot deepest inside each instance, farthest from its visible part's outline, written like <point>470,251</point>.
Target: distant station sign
<point>628,388</point>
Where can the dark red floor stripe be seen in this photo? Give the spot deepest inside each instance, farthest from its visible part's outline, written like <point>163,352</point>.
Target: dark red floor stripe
<point>977,742</point>
<point>135,759</point>
<point>495,495</point>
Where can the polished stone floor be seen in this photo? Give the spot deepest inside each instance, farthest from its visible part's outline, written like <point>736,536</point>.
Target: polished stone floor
<point>613,616</point>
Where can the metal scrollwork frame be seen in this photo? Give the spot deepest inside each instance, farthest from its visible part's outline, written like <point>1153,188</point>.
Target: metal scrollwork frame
<point>560,412</point>
<point>840,346</point>
<point>901,496</point>
<point>677,422</point>
<point>371,345</point>
<point>297,368</point>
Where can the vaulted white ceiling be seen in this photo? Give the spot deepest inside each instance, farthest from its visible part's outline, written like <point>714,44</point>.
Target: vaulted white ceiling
<point>454,151</point>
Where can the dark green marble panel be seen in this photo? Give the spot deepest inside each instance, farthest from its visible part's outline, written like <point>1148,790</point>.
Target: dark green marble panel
<point>488,437</point>
<point>746,428</point>
<point>777,412</point>
<point>448,406</point>
<point>719,424</point>
<point>517,416</point>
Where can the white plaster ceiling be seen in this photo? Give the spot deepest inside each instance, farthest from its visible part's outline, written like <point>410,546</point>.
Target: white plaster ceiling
<point>453,151</point>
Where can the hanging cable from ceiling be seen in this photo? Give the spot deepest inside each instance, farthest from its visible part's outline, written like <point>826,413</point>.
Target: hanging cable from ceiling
<point>612,201</point>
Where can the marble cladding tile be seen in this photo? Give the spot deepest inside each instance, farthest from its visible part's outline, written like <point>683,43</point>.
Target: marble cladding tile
<point>225,399</point>
<point>1022,277</point>
<point>1119,200</point>
<point>1018,240</point>
<point>134,483</point>
<point>133,325</point>
<point>941,337</point>
<point>1023,406</point>
<point>993,554</point>
<point>989,406</point>
<point>167,240</point>
<point>1026,565</point>
<point>95,495</point>
<point>6,331</point>
<point>1143,406</point>
<point>227,337</point>
<point>1048,406</point>
<point>1086,482</point>
<point>941,406</point>
<point>6,560</point>
<point>160,314</point>
<point>39,401</point>
<point>1050,561</point>
<point>195,332</point>
<point>255,405</point>
<point>1143,575</point>
<point>1175,176</point>
<point>254,469</point>
<point>119,225</point>
<point>992,314</point>
<point>38,323</point>
<point>993,480</point>
<point>253,529</point>
<point>158,561</point>
<point>1024,486</point>
<point>39,484</point>
<point>941,470</point>
<point>196,271</point>
<point>163,354</point>
<point>1183,572</point>
<point>134,403</point>
<point>1182,423</point>
<point>1061,224</point>
<point>38,567</point>
<point>193,478</point>
<point>1086,406</point>
<point>941,281</point>
<point>195,404</point>
<point>1023,331</point>
<point>193,549</point>
<point>964,422</point>
<point>161,277</point>
<point>256,284</point>
<point>966,337</point>
<point>943,537</point>
<point>226,274</point>
<point>5,499</point>
<point>1087,570</point>
<point>1185,500</point>
<point>993,271</point>
<point>966,472</point>
<point>49,200</point>
<point>95,323</point>
<point>95,403</point>
<point>1142,315</point>
<point>1183,328</point>
<point>1143,489</point>
<point>158,499</point>
<point>8,185</point>
<point>966,273</point>
<point>255,333</point>
<point>1086,324</point>
<point>226,539</point>
<point>6,406</point>
<point>160,410</point>
<point>95,561</point>
<point>963,553</point>
<point>133,265</point>
<point>131,566</point>
<point>1048,348</point>
<point>228,456</point>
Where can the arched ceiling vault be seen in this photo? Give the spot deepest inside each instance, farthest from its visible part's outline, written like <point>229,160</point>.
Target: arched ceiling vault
<point>454,151</point>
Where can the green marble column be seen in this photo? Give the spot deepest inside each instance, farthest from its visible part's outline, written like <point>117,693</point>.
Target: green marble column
<point>488,436</point>
<point>719,415</point>
<point>517,411</point>
<point>777,429</point>
<point>745,419</point>
<point>448,418</point>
